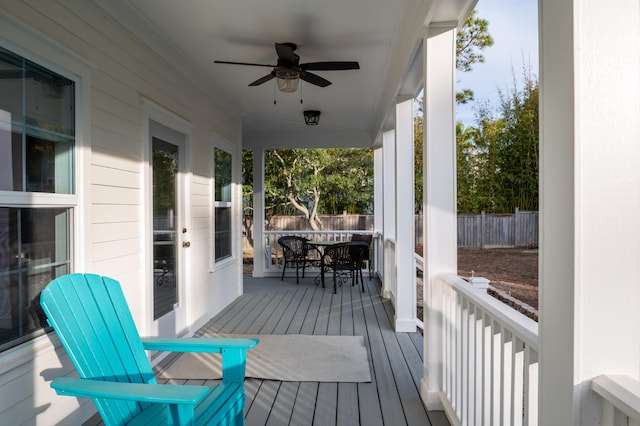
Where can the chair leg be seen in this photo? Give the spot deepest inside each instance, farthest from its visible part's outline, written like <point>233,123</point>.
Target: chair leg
<point>335,287</point>
<point>297,276</point>
<point>284,268</point>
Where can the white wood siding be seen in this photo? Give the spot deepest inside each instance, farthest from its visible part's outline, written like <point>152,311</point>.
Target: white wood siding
<point>124,73</point>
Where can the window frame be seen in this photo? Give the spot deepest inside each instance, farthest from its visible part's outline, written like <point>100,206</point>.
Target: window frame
<point>48,54</point>
<point>222,144</point>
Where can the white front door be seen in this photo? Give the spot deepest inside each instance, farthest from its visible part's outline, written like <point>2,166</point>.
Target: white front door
<point>169,229</point>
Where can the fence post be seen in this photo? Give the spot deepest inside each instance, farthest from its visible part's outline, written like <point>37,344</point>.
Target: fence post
<point>482,227</point>
<point>516,225</point>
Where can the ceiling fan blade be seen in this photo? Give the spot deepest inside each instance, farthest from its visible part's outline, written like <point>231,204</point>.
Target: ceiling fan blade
<point>331,66</point>
<point>263,79</point>
<point>286,53</point>
<point>314,79</point>
<point>243,63</point>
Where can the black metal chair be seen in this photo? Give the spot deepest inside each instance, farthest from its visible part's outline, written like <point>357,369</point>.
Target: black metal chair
<point>347,259</point>
<point>295,251</point>
<point>367,238</point>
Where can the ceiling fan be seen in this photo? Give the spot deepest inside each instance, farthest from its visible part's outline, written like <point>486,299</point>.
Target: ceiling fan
<point>288,70</point>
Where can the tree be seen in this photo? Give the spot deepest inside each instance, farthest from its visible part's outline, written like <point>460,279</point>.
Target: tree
<point>497,159</point>
<point>314,181</point>
<point>471,40</point>
<point>348,183</point>
<point>294,179</point>
<point>518,178</point>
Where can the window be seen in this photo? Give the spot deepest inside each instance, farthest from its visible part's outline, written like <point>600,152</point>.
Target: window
<point>222,210</point>
<point>37,138</point>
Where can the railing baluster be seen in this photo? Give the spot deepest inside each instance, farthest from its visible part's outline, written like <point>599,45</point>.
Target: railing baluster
<point>496,368</point>
<point>517,382</point>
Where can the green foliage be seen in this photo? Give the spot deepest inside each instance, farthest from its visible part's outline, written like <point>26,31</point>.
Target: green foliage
<point>471,40</point>
<point>497,160</point>
<point>418,130</point>
<point>312,182</point>
<point>247,181</point>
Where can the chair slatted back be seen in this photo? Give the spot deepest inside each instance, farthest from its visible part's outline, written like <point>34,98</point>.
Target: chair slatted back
<point>90,315</point>
<point>339,257</point>
<point>359,251</point>
<point>362,237</point>
<point>294,247</point>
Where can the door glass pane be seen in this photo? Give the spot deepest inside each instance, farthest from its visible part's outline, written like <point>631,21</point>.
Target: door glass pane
<point>165,174</point>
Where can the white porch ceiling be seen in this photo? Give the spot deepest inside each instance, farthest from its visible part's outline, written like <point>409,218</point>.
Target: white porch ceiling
<point>382,35</point>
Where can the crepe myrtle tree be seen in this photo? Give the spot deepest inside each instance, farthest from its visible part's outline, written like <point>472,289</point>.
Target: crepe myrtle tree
<point>293,178</point>
<point>316,181</point>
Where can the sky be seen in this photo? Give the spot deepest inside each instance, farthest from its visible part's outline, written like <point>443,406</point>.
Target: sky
<point>513,24</point>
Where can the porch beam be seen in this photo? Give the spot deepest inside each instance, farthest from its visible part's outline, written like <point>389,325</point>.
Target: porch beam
<point>440,232</point>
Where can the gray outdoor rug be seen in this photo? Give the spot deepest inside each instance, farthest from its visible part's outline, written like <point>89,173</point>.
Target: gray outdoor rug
<point>289,357</point>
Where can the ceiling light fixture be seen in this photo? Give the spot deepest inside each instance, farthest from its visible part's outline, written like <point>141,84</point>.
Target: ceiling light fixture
<point>311,118</point>
<point>287,79</point>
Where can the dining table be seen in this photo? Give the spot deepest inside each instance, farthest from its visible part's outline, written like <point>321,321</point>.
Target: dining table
<point>320,245</point>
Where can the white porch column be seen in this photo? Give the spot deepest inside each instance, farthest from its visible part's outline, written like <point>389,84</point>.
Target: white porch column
<point>389,214</point>
<point>378,206</point>
<point>258,214</point>
<point>589,203</point>
<point>440,226</point>
<point>405,306</point>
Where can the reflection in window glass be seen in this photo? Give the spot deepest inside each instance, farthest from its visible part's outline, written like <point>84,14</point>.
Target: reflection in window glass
<point>37,138</point>
<point>165,175</point>
<point>37,127</point>
<point>222,163</point>
<point>222,211</point>
<point>39,240</point>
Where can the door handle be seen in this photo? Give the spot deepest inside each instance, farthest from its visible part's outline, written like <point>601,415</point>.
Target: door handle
<point>186,244</point>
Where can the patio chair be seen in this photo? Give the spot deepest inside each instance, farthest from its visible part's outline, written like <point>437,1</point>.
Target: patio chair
<point>367,239</point>
<point>89,314</point>
<point>346,259</point>
<point>295,252</point>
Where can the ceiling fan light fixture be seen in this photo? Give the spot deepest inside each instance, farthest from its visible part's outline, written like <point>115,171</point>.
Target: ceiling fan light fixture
<point>311,117</point>
<point>287,79</point>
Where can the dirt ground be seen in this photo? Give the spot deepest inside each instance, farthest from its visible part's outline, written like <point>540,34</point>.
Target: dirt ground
<point>513,276</point>
<point>512,271</point>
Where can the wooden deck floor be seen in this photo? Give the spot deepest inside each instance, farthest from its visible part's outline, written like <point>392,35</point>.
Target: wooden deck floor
<point>271,306</point>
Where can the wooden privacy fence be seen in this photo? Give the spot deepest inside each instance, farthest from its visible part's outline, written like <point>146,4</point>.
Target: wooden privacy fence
<point>519,229</point>
<point>485,230</point>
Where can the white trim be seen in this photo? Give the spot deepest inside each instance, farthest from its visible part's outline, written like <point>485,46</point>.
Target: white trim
<point>152,111</point>
<point>42,50</point>
<point>222,143</point>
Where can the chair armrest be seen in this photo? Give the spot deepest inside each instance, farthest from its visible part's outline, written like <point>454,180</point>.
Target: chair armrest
<point>142,392</point>
<point>197,344</point>
<point>233,350</point>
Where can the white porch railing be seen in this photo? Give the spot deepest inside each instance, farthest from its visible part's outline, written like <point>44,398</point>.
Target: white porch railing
<point>389,283</point>
<point>620,400</point>
<point>489,357</point>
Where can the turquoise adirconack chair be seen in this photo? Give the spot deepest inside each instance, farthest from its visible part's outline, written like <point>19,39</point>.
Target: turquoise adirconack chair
<point>90,316</point>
